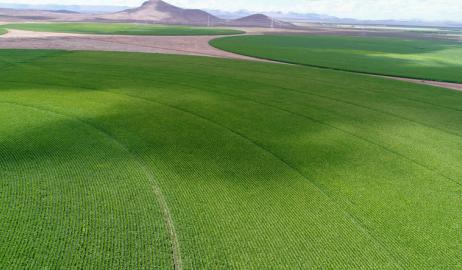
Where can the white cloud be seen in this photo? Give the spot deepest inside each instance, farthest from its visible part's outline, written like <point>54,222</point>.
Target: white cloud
<point>362,9</point>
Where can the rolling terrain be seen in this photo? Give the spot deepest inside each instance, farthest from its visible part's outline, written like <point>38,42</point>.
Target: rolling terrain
<point>260,20</point>
<point>151,11</point>
<point>412,58</point>
<point>142,161</point>
<point>121,29</point>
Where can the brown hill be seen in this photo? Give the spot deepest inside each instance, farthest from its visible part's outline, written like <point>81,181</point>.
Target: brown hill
<point>159,11</point>
<point>260,20</point>
<point>152,11</point>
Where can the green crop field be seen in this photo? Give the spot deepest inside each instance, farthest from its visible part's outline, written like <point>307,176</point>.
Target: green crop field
<point>2,31</point>
<point>420,59</point>
<point>122,29</point>
<point>144,161</point>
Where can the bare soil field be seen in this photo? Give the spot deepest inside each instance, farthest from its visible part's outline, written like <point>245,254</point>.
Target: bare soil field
<point>191,45</point>
<point>13,33</point>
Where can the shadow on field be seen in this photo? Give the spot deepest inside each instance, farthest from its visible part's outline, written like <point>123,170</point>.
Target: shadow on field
<point>324,165</point>
<point>216,180</point>
<point>68,189</point>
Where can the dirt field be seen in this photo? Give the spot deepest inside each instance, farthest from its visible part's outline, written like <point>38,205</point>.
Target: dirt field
<point>191,45</point>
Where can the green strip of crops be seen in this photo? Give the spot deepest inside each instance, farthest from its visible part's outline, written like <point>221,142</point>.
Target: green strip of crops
<point>3,31</point>
<point>420,59</point>
<point>122,29</point>
<point>139,161</point>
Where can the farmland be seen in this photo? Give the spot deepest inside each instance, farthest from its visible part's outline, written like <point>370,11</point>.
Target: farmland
<point>143,161</point>
<point>420,59</point>
<point>122,29</point>
<point>2,31</point>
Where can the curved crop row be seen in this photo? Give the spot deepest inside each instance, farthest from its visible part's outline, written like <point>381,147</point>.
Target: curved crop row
<point>325,170</point>
<point>68,203</point>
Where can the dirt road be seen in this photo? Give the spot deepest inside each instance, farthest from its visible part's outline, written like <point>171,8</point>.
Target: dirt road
<point>453,86</point>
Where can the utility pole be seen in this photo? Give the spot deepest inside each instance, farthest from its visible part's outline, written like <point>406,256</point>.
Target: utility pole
<point>272,22</point>
<point>208,20</point>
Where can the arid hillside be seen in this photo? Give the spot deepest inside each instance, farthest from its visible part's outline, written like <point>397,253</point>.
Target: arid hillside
<point>152,11</point>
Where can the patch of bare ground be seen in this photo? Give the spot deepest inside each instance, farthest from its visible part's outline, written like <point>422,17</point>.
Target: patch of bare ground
<point>190,45</point>
<point>12,33</point>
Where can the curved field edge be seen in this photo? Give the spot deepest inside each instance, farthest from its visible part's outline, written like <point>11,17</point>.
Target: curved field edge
<point>3,31</point>
<point>368,60</point>
<point>122,29</point>
<point>326,170</point>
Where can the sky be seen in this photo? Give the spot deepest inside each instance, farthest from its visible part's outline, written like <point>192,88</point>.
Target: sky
<point>429,10</point>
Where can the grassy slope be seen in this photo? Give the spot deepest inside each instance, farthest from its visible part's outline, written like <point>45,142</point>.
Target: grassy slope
<point>422,59</point>
<point>325,170</point>
<point>122,29</point>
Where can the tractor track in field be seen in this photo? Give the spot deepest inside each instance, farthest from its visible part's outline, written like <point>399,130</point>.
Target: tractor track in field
<point>348,132</point>
<point>356,221</point>
<point>353,218</point>
<point>360,226</point>
<point>183,45</point>
<point>166,213</point>
<point>386,248</point>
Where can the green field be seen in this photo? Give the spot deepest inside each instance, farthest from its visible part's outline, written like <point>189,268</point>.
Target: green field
<point>3,31</point>
<point>139,161</point>
<point>420,59</point>
<point>122,29</point>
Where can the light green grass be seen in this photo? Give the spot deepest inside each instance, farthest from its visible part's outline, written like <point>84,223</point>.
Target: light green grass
<point>3,31</point>
<point>421,59</point>
<point>122,29</point>
<point>251,165</point>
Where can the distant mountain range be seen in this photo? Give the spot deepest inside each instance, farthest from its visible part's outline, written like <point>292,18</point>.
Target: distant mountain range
<point>152,11</point>
<point>161,12</point>
<point>72,8</point>
<point>321,18</point>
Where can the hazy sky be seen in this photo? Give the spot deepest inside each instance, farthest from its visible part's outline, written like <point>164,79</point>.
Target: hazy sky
<point>361,9</point>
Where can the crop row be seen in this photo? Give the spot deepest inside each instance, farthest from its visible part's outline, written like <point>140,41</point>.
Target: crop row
<point>326,170</point>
